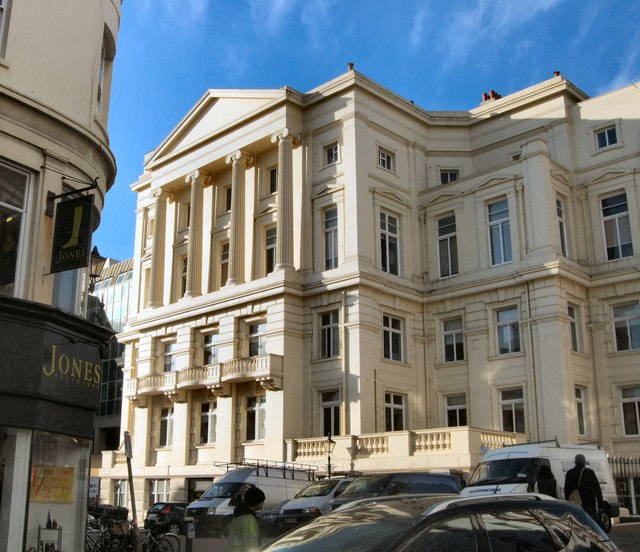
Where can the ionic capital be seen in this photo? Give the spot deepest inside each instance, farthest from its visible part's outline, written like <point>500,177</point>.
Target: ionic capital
<point>197,175</point>
<point>286,135</point>
<point>239,157</point>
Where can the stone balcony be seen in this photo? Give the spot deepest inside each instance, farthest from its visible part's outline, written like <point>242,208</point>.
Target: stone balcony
<point>455,448</point>
<point>265,369</point>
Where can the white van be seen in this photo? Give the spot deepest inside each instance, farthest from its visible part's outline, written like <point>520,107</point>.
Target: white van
<point>213,511</point>
<point>311,502</point>
<point>513,469</point>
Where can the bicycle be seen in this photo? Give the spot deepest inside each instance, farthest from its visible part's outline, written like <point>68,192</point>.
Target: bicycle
<point>121,540</point>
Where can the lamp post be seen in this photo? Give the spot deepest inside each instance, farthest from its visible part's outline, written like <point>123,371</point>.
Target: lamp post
<point>328,446</point>
<point>96,266</point>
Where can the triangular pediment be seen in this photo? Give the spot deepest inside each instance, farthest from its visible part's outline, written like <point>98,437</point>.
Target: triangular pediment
<point>216,111</point>
<point>439,198</point>
<point>493,181</point>
<point>608,175</point>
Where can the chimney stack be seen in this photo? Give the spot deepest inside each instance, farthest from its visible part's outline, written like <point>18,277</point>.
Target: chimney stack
<point>350,66</point>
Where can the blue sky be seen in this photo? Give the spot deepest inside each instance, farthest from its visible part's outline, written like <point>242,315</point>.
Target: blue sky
<point>441,54</point>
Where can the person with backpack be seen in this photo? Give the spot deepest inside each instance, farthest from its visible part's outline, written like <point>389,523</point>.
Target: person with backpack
<point>244,532</point>
<point>582,487</point>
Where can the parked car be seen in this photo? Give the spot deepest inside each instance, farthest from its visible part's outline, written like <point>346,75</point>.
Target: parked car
<point>166,517</point>
<point>311,502</point>
<point>514,469</point>
<point>268,520</point>
<point>383,484</point>
<point>213,511</point>
<point>437,523</point>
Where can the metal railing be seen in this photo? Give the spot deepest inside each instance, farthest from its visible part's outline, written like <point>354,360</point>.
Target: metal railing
<point>626,475</point>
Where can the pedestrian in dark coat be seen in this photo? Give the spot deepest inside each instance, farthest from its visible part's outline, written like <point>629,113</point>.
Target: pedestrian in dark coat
<point>546,483</point>
<point>585,481</point>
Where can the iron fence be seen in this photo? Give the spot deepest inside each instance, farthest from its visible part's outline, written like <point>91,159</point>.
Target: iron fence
<point>626,474</point>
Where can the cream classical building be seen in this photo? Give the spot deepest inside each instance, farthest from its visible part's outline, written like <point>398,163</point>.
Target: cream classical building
<point>421,285</point>
<point>56,63</point>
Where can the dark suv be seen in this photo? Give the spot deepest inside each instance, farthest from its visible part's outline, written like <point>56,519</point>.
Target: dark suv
<point>385,484</point>
<point>166,517</point>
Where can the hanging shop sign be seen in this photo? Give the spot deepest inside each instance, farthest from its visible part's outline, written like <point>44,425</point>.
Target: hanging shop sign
<point>72,234</point>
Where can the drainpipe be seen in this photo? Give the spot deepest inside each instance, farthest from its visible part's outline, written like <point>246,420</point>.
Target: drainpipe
<point>533,364</point>
<point>346,425</point>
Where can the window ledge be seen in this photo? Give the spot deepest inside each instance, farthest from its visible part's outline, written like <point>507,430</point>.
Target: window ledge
<point>506,355</point>
<point>451,364</point>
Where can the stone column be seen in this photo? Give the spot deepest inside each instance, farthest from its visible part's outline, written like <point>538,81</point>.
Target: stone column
<point>238,161</point>
<point>157,250</point>
<point>194,248</point>
<point>284,238</point>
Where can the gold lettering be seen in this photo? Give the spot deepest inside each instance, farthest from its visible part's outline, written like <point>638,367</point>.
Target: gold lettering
<point>97,378</point>
<point>77,366</point>
<point>53,362</point>
<point>87,371</point>
<point>63,369</point>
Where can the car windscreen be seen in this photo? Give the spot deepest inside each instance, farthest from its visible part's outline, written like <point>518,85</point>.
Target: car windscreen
<point>319,488</point>
<point>221,490</point>
<point>348,531</point>
<point>510,470</point>
<point>369,484</point>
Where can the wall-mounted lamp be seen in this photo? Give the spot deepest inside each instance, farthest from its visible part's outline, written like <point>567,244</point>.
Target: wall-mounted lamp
<point>328,446</point>
<point>97,264</point>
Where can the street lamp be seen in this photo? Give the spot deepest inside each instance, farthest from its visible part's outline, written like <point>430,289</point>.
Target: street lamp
<point>328,446</point>
<point>97,264</point>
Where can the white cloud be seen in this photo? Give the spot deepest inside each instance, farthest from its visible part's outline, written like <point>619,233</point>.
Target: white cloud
<point>487,22</point>
<point>271,14</point>
<point>173,14</point>
<point>418,26</point>
<point>628,69</point>
<point>316,18</point>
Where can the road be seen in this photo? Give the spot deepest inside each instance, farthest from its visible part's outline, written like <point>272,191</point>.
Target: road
<point>625,535</point>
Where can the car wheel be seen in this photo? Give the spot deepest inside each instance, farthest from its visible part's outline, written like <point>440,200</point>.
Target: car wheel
<point>174,527</point>
<point>225,526</point>
<point>604,519</point>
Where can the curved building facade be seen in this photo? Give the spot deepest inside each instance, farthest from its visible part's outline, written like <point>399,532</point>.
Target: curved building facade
<point>55,79</point>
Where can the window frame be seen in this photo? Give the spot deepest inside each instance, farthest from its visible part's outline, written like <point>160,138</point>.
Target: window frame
<point>605,132</point>
<point>168,354</point>
<point>329,332</point>
<point>513,342</point>
<point>580,398</point>
<point>224,254</point>
<point>159,490</point>
<point>16,287</point>
<point>331,406</point>
<point>330,237</point>
<point>455,332</point>
<point>449,238</point>
<point>5,16</point>
<point>165,426</point>
<point>445,175</point>
<point>561,211</point>
<point>331,154</point>
<point>270,249</point>
<point>629,325</point>
<point>271,184</point>
<point>255,418</point>
<point>634,399</point>
<point>210,346</point>
<point>208,419</point>
<point>390,345</point>
<point>502,227</point>
<point>389,242</point>
<point>391,408</point>
<point>386,159</point>
<point>256,338</point>
<point>614,232</point>
<point>457,409</point>
<point>513,404</point>
<point>575,335</point>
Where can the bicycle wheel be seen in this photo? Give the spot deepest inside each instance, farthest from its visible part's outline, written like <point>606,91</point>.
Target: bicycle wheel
<point>107,543</point>
<point>169,543</point>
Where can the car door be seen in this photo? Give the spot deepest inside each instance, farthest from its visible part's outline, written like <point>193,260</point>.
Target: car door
<point>458,533</point>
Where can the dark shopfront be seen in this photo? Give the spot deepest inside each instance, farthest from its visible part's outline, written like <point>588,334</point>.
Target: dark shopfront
<point>49,389</point>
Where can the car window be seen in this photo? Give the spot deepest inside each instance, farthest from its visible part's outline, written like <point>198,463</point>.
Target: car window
<point>399,485</point>
<point>453,535</point>
<point>516,531</point>
<point>424,483</point>
<point>373,484</point>
<point>319,488</point>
